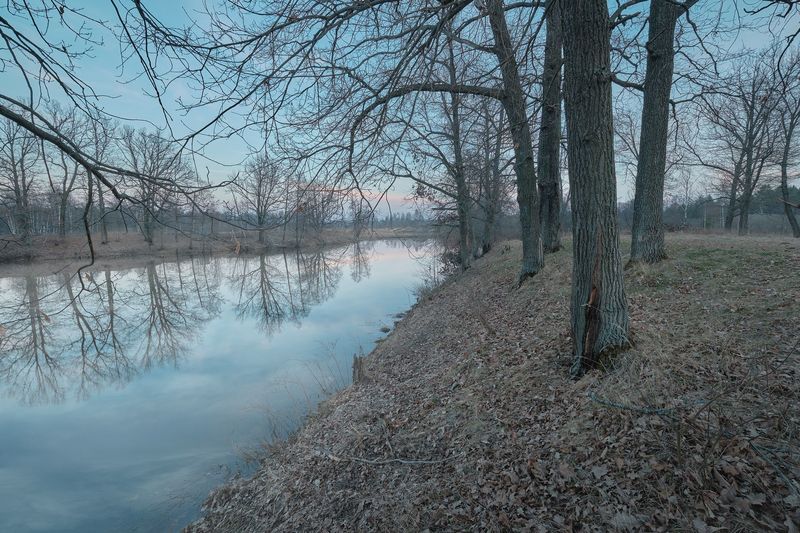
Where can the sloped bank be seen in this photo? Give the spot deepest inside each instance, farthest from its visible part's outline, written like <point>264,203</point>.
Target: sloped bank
<point>465,418</point>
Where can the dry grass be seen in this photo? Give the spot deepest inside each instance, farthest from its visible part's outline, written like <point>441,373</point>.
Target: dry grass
<point>467,420</point>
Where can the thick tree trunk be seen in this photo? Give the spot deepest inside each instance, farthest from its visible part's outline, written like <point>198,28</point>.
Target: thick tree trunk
<point>22,221</point>
<point>647,232</point>
<point>787,207</point>
<point>514,105</point>
<point>490,221</point>
<point>22,217</point>
<point>550,135</point>
<point>731,212</point>
<point>733,196</point>
<point>599,308</point>
<point>147,227</point>
<point>744,213</point>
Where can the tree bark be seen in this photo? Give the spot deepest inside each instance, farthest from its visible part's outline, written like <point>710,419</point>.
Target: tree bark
<point>101,203</point>
<point>788,208</point>
<point>457,169</point>
<point>647,232</point>
<point>732,198</point>
<point>747,193</point>
<point>62,214</point>
<point>598,307</point>
<point>744,213</point>
<point>550,134</point>
<point>514,104</point>
<point>147,227</point>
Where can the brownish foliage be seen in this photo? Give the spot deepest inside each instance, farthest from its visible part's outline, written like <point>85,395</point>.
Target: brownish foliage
<point>469,422</point>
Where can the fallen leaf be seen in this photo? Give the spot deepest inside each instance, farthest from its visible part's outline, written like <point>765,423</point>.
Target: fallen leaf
<point>599,471</point>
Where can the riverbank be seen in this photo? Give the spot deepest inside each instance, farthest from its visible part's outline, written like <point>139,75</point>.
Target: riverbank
<point>73,250</point>
<point>464,418</point>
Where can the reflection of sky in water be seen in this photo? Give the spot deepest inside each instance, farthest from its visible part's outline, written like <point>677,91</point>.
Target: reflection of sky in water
<point>138,450</point>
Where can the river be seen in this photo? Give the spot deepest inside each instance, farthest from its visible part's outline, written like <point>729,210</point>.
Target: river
<point>126,398</point>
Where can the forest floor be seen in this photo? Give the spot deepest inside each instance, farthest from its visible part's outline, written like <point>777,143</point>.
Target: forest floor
<point>466,419</point>
<point>74,247</point>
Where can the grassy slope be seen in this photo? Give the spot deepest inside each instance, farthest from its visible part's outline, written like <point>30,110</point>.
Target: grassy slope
<point>467,421</point>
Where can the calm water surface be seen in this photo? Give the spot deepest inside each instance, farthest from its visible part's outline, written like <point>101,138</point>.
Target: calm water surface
<point>123,403</point>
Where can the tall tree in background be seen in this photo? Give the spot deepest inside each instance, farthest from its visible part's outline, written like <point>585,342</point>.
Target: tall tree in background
<point>550,134</point>
<point>647,233</point>
<point>259,192</point>
<point>598,308</point>
<point>63,172</point>
<point>456,168</point>
<point>514,102</point>
<point>742,119</point>
<point>149,154</point>
<point>19,158</point>
<point>789,114</point>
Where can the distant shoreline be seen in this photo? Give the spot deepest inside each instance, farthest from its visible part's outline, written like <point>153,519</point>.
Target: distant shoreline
<point>73,250</point>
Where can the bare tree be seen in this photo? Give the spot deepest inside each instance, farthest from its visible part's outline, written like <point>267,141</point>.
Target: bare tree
<point>599,307</point>
<point>19,159</point>
<point>44,46</point>
<point>647,234</point>
<point>318,85</point>
<point>149,154</point>
<point>101,131</point>
<point>258,192</point>
<point>62,171</point>
<point>741,141</point>
<point>789,114</point>
<point>550,134</point>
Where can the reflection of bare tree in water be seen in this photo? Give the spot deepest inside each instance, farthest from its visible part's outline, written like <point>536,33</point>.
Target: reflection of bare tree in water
<point>103,331</point>
<point>359,264</point>
<point>265,294</point>
<point>318,274</point>
<point>27,364</point>
<point>170,317</point>
<point>61,335</point>
<point>276,289</point>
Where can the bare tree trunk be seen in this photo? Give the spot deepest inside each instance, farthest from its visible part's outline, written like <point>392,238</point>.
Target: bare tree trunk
<point>550,135</point>
<point>493,178</point>
<point>462,191</point>
<point>599,308</point>
<point>744,211</point>
<point>22,219</point>
<point>102,205</point>
<point>747,190</point>
<point>732,199</point>
<point>647,232</point>
<point>787,207</point>
<point>147,227</point>
<point>514,105</point>
<point>62,214</point>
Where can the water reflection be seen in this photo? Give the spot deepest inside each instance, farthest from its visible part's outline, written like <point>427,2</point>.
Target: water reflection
<point>63,337</point>
<point>125,395</point>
